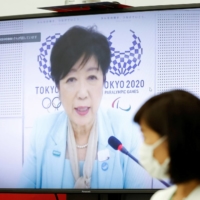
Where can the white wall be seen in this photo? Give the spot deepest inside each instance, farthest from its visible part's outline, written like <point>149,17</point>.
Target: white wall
<point>159,2</point>
<point>18,7</point>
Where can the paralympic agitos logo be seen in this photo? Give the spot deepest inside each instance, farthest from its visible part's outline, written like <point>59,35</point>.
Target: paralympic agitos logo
<point>122,63</point>
<point>116,104</point>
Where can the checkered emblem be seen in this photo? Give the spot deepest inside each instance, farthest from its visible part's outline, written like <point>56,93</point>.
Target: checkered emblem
<point>124,63</point>
<point>43,57</point>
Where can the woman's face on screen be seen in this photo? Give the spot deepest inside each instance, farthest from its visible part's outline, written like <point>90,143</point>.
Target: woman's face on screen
<point>81,91</point>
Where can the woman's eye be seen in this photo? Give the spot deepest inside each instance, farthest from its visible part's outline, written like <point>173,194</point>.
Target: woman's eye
<point>92,77</point>
<point>71,80</point>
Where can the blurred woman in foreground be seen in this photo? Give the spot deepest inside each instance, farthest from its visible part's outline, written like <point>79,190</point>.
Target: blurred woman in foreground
<point>170,123</point>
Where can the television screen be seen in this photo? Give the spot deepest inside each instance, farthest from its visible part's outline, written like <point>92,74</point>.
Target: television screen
<point>70,86</point>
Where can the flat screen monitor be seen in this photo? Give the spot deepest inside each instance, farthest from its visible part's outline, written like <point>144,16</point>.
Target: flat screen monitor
<point>54,135</point>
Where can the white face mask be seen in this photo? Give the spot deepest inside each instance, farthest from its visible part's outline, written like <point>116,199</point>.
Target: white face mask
<point>152,166</point>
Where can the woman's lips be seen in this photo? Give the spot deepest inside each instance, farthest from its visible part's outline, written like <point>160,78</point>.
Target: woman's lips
<point>82,110</point>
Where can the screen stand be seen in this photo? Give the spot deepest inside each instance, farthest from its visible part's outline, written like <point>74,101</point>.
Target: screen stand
<point>72,196</point>
<point>111,196</point>
<point>94,196</point>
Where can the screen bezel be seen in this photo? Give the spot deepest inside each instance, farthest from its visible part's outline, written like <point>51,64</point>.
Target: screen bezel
<point>91,12</point>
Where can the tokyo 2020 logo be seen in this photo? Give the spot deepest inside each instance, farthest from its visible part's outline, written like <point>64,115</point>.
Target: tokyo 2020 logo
<point>122,62</point>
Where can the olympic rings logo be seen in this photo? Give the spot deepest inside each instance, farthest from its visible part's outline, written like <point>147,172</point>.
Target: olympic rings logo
<point>47,103</point>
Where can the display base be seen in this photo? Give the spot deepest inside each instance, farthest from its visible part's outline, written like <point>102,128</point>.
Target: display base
<point>116,196</point>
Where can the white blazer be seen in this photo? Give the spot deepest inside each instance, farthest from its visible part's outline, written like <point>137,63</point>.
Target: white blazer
<point>168,193</point>
<point>46,161</point>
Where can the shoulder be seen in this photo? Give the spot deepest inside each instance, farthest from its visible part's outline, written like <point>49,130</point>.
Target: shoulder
<point>164,194</point>
<point>47,123</point>
<point>121,124</point>
<point>51,117</point>
<point>50,120</point>
<point>115,116</point>
<point>195,194</point>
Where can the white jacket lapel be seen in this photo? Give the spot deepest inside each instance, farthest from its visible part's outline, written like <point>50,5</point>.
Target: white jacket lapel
<point>106,167</point>
<point>56,153</point>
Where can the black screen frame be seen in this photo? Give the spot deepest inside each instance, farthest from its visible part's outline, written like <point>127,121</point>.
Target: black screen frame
<point>79,13</point>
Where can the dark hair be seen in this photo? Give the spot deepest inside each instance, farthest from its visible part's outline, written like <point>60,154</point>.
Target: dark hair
<point>76,42</point>
<point>176,114</point>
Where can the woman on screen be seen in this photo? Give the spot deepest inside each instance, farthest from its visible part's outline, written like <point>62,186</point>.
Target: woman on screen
<point>70,149</point>
<point>171,129</point>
